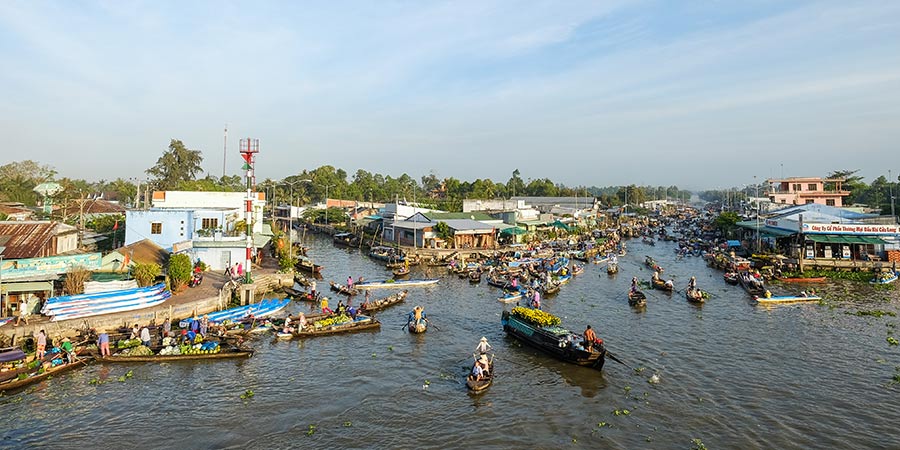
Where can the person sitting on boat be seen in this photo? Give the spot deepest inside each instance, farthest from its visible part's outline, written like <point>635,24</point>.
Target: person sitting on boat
<point>324,305</point>
<point>655,276</point>
<point>483,346</point>
<point>812,292</point>
<point>301,322</point>
<point>477,371</point>
<point>693,283</point>
<point>351,311</point>
<point>66,346</point>
<point>135,332</point>
<point>634,284</point>
<point>287,321</point>
<point>485,365</point>
<point>670,284</point>
<point>341,309</point>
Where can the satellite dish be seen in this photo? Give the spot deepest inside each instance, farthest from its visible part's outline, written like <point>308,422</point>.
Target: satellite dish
<point>48,189</point>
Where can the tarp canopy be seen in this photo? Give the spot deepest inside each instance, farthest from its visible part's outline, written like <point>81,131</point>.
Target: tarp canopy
<point>514,231</point>
<point>734,243</point>
<point>561,225</point>
<point>834,239</point>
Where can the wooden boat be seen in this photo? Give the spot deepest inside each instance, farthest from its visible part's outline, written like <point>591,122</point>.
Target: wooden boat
<point>361,323</point>
<point>475,276</point>
<point>648,241</point>
<point>478,386</point>
<point>802,280</point>
<point>35,377</point>
<point>612,268</point>
<point>226,352</point>
<point>750,285</point>
<point>661,285</point>
<point>557,341</point>
<point>396,283</point>
<point>420,327</point>
<point>306,265</point>
<point>884,278</point>
<point>400,272</point>
<point>510,296</point>
<point>577,270</point>
<point>340,288</point>
<point>383,303</point>
<point>386,254</point>
<point>637,298</point>
<point>345,239</point>
<point>298,295</point>
<point>501,283</point>
<point>651,263</point>
<point>730,277</point>
<point>786,299</point>
<point>551,289</point>
<point>695,295</point>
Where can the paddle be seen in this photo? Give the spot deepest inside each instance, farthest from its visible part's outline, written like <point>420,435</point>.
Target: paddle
<point>613,357</point>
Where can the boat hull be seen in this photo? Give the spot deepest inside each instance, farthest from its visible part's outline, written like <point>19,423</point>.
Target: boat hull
<point>552,344</point>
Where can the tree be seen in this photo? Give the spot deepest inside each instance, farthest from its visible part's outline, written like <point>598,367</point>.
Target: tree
<point>145,274</point>
<point>727,222</point>
<point>179,270</point>
<point>177,165</point>
<point>515,185</point>
<point>443,231</point>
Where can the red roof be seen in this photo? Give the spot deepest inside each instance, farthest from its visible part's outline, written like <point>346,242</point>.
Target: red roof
<point>25,239</point>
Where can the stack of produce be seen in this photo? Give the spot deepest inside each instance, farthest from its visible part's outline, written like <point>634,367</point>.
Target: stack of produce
<point>170,350</point>
<point>128,343</point>
<point>140,350</point>
<point>199,349</point>
<point>333,320</point>
<point>536,317</point>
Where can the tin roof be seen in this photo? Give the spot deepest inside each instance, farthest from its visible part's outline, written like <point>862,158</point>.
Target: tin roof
<point>93,206</point>
<point>26,239</point>
<point>144,251</point>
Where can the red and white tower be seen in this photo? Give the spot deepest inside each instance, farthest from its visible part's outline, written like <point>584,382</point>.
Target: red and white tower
<point>249,148</point>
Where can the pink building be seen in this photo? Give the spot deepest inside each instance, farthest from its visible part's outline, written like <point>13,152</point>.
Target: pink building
<point>805,190</point>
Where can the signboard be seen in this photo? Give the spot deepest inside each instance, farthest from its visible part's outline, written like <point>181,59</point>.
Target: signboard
<point>784,224</point>
<point>842,228</point>
<point>845,252</point>
<point>183,246</point>
<point>53,265</point>
<point>810,253</point>
<point>828,252</point>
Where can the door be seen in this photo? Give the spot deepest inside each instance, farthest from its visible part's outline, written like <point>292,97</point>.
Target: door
<point>225,260</point>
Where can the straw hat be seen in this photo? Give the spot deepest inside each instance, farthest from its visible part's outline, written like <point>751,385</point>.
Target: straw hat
<point>483,359</point>
<point>483,339</point>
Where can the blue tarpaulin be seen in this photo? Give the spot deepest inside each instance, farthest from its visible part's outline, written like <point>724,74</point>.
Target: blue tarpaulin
<point>734,243</point>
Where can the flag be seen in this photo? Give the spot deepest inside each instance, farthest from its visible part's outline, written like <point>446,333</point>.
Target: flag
<point>116,226</point>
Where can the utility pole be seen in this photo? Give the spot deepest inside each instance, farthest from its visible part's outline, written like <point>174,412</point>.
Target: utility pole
<point>248,149</point>
<point>891,187</point>
<point>225,151</point>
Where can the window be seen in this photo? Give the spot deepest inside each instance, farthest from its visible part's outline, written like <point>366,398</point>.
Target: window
<point>809,200</point>
<point>811,187</point>
<point>829,202</point>
<point>210,223</point>
<point>156,228</point>
<point>797,187</point>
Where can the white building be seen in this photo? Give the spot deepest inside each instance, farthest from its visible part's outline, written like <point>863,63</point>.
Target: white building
<point>212,200</point>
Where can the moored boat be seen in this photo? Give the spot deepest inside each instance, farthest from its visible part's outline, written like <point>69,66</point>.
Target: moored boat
<point>39,374</point>
<point>553,339</point>
<point>695,295</point>
<point>730,277</point>
<point>400,272</point>
<point>306,265</point>
<point>802,280</point>
<point>786,299</point>
<point>224,352</point>
<point>612,268</point>
<point>510,296</point>
<point>884,278</point>
<point>361,323</point>
<point>340,288</point>
<point>662,285</point>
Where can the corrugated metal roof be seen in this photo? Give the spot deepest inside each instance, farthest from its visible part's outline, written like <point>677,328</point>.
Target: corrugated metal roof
<point>144,251</point>
<point>27,239</point>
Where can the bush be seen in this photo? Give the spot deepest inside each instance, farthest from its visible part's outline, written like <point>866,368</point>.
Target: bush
<point>145,274</point>
<point>179,270</point>
<point>75,279</point>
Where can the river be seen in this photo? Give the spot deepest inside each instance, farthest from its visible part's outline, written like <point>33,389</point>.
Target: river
<point>731,375</point>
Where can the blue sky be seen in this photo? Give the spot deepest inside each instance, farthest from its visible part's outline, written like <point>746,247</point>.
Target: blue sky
<point>701,94</point>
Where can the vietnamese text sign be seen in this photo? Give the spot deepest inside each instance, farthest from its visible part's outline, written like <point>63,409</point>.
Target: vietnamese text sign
<point>841,228</point>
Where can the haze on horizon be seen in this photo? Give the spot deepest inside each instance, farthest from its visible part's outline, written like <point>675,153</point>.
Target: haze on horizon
<point>694,94</point>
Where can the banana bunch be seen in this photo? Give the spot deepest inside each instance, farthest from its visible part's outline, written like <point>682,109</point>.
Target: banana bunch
<point>336,320</point>
<point>536,316</point>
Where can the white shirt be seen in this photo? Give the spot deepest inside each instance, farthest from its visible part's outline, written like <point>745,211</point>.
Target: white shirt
<point>145,334</point>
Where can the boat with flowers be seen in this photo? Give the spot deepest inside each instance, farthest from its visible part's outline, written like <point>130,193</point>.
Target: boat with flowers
<point>542,330</point>
<point>336,324</point>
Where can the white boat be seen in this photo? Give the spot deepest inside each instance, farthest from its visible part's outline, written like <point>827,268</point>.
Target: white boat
<point>395,283</point>
<point>510,297</point>
<point>787,299</point>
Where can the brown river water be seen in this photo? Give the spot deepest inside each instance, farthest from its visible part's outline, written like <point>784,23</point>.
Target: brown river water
<point>731,374</point>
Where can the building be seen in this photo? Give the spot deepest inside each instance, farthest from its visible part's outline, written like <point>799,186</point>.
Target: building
<point>15,211</point>
<point>27,282</point>
<point>212,200</point>
<point>90,209</point>
<point>418,230</point>
<point>806,190</point>
<point>37,239</point>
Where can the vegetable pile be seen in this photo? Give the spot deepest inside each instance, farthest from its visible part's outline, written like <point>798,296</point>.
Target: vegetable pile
<point>536,316</point>
<point>334,320</point>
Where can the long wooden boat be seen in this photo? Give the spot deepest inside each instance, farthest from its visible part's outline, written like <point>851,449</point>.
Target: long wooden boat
<point>752,287</point>
<point>557,341</point>
<point>396,283</point>
<point>786,299</point>
<point>386,254</point>
<point>307,265</point>
<point>802,280</point>
<point>226,352</point>
<point>651,263</point>
<point>340,288</point>
<point>661,285</point>
<point>298,295</point>
<point>478,386</point>
<point>637,299</point>
<point>383,303</point>
<point>475,276</point>
<point>731,277</point>
<point>551,289</point>
<point>361,323</point>
<point>345,239</point>
<point>35,377</point>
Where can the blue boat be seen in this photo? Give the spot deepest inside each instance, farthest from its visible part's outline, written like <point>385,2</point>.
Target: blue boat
<point>884,278</point>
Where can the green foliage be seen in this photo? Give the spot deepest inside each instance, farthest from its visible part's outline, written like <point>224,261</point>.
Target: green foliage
<point>179,270</point>
<point>443,231</point>
<point>146,274</point>
<point>176,165</point>
<point>727,221</point>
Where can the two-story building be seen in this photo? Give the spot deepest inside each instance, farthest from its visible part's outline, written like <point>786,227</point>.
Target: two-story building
<point>806,190</point>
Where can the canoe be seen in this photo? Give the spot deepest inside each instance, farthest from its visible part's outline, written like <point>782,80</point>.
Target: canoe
<point>693,298</point>
<point>803,280</point>
<point>557,341</point>
<point>225,353</point>
<point>396,283</point>
<point>661,285</point>
<point>637,298</point>
<point>298,295</point>
<point>787,299</point>
<point>400,272</point>
<point>475,277</point>
<point>360,324</point>
<point>420,327</point>
<point>751,284</point>
<point>308,266</point>
<point>612,268</point>
<point>730,277</point>
<point>510,297</point>
<point>886,278</point>
<point>383,303</point>
<point>16,383</point>
<point>340,288</point>
<point>478,386</point>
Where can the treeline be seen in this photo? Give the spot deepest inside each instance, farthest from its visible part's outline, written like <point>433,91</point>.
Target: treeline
<point>179,167</point>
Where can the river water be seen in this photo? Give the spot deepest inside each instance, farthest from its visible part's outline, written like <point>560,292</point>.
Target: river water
<point>731,374</point>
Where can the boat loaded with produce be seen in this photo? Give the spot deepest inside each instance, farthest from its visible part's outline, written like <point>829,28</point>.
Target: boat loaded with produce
<point>543,331</point>
<point>339,323</point>
<point>173,350</point>
<point>17,372</point>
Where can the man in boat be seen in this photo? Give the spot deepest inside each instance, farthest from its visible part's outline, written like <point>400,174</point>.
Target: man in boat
<point>692,285</point>
<point>477,371</point>
<point>103,343</point>
<point>634,284</point>
<point>324,305</point>
<point>485,365</point>
<point>416,316</point>
<point>589,338</point>
<point>312,289</point>
<point>350,282</point>
<point>655,276</point>
<point>66,346</point>
<point>483,346</point>
<point>670,284</point>
<point>351,311</point>
<point>301,322</point>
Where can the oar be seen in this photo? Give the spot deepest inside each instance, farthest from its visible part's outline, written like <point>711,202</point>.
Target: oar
<point>613,357</point>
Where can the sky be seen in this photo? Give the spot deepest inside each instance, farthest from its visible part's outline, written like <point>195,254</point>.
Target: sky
<point>701,94</point>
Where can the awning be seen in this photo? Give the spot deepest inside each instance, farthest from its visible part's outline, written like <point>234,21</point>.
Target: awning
<point>561,225</point>
<point>764,229</point>
<point>512,231</point>
<point>834,239</point>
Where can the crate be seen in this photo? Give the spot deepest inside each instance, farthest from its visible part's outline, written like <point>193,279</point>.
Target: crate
<point>893,255</point>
